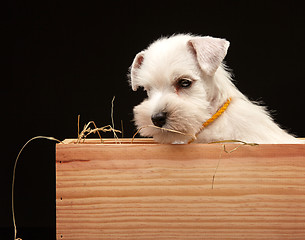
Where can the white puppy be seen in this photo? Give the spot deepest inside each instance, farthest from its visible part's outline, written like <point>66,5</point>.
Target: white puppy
<point>187,84</point>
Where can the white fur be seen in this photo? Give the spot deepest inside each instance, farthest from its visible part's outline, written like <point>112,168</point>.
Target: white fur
<point>157,69</point>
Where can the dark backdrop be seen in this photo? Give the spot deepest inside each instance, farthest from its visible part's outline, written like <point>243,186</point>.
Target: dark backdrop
<point>66,59</point>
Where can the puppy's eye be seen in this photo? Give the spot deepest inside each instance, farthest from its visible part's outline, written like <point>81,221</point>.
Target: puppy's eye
<point>184,83</point>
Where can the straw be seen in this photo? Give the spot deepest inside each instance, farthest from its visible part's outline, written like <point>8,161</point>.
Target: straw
<point>14,176</point>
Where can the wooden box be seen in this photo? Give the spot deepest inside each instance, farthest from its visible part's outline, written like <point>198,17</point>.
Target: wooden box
<point>198,191</point>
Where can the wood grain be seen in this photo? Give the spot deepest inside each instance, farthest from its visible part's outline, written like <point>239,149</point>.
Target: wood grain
<point>154,191</point>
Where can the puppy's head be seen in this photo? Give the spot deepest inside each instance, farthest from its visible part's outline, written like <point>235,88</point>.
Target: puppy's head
<point>176,73</point>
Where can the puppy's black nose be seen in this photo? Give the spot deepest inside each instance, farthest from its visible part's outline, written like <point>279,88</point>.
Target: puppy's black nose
<point>159,119</point>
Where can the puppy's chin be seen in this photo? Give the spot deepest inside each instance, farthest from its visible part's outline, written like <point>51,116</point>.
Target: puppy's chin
<point>171,138</point>
<point>163,136</point>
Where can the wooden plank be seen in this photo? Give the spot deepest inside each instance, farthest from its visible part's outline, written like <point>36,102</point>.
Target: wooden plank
<point>111,141</point>
<point>197,191</point>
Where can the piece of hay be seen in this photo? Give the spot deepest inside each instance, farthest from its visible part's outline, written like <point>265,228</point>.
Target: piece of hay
<point>87,130</point>
<point>14,176</point>
<point>81,136</point>
<point>242,143</point>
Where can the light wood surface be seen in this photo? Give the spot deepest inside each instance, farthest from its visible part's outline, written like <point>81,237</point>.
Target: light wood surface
<point>196,191</point>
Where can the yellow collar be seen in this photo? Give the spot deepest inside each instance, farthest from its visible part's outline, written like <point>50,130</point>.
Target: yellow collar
<point>213,118</point>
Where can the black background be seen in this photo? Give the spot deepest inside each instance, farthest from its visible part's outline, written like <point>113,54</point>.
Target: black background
<point>65,59</point>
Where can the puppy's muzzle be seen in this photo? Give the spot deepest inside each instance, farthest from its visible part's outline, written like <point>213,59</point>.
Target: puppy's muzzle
<point>159,119</point>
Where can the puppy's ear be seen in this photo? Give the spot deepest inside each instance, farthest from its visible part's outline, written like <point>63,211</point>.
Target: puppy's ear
<point>136,64</point>
<point>209,52</point>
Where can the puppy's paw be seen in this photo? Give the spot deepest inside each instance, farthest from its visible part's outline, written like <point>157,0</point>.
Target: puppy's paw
<point>179,142</point>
